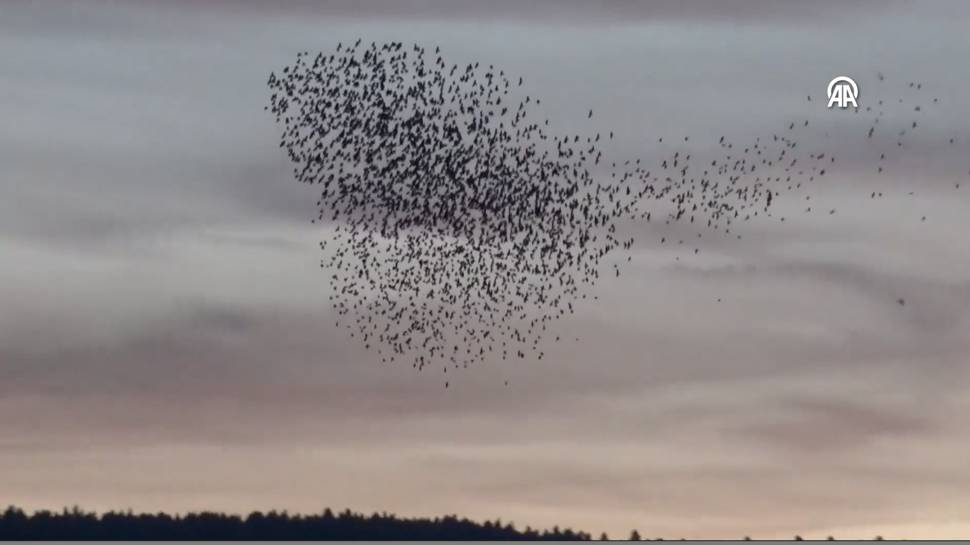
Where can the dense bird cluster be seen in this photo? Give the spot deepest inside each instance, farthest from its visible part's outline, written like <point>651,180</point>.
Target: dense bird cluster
<point>462,225</point>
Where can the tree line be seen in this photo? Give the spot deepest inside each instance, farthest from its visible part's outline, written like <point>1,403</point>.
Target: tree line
<point>76,524</point>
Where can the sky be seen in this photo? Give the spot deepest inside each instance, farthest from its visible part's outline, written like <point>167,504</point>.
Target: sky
<point>166,341</point>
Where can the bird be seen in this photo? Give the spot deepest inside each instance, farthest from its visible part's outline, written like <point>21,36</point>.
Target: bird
<point>461,226</point>
<point>467,260</point>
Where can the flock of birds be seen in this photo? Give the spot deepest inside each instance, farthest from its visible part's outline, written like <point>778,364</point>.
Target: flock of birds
<point>462,226</point>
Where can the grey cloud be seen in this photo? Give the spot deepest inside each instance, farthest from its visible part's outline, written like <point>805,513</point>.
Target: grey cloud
<point>808,426</point>
<point>161,303</point>
<point>570,11</point>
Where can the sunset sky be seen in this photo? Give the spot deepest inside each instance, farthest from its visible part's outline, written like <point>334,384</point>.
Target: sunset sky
<point>166,340</point>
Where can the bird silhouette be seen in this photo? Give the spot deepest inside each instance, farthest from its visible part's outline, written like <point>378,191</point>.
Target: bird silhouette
<point>460,226</point>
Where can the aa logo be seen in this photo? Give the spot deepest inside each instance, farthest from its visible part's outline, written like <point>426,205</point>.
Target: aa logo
<point>843,91</point>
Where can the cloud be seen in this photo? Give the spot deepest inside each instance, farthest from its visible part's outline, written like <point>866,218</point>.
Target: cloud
<point>161,304</point>
<point>569,11</point>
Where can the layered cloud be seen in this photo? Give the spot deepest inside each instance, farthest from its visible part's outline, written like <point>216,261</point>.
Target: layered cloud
<point>166,340</point>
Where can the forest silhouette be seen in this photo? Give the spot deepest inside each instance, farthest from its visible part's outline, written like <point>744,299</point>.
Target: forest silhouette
<point>76,524</point>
